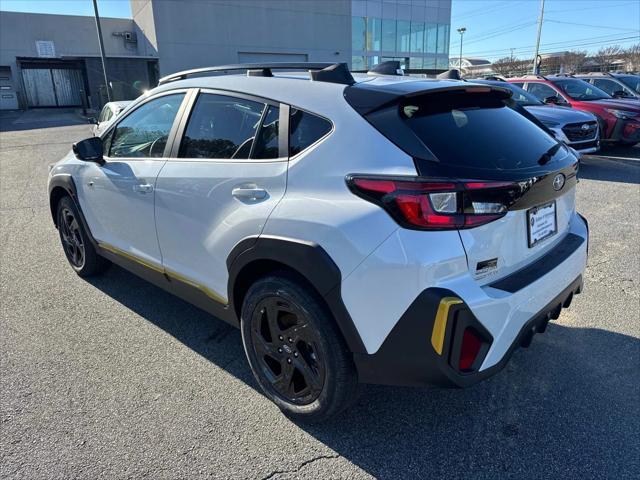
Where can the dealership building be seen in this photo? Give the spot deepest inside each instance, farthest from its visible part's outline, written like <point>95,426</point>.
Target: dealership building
<point>54,61</point>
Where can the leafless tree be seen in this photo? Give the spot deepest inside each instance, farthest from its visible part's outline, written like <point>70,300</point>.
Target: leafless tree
<point>606,56</point>
<point>631,56</point>
<point>573,61</point>
<point>509,66</point>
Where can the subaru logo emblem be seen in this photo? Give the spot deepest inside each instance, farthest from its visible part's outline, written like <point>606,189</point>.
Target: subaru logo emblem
<point>558,182</point>
<point>585,127</point>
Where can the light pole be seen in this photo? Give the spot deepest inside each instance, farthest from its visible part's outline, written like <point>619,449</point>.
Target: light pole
<point>104,66</point>
<point>536,70</point>
<point>461,31</point>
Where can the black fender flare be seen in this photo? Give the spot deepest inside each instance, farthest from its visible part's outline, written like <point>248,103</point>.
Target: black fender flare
<point>66,182</point>
<point>308,259</point>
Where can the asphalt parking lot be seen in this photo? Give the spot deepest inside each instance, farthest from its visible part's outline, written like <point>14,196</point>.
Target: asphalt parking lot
<point>113,378</point>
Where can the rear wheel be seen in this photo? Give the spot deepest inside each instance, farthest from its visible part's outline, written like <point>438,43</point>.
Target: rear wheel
<point>79,251</point>
<point>295,350</point>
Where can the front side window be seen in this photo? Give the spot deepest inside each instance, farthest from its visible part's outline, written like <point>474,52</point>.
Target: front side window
<point>305,129</point>
<point>631,81</point>
<point>221,127</point>
<point>612,87</point>
<point>144,132</point>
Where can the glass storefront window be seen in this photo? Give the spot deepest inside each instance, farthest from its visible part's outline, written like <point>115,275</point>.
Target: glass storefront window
<point>388,35</point>
<point>443,63</point>
<point>443,35</point>
<point>374,30</point>
<point>416,62</point>
<point>358,33</point>
<point>417,37</point>
<point>431,35</point>
<point>358,63</point>
<point>429,62</point>
<point>373,61</point>
<point>403,36</point>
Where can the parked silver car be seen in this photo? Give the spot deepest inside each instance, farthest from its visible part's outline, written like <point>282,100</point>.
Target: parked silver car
<point>110,111</point>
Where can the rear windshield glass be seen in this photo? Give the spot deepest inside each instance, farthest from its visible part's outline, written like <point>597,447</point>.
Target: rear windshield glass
<point>478,131</point>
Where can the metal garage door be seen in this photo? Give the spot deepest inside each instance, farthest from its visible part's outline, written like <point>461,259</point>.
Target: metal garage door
<point>53,87</point>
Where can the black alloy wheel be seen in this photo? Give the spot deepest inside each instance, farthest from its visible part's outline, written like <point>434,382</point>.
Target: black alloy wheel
<point>72,240</point>
<point>288,350</point>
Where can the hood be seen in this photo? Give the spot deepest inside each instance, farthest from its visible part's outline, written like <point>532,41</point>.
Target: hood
<point>629,104</point>
<point>562,115</point>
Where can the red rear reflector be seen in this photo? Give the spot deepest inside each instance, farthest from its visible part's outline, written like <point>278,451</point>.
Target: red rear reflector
<point>471,344</point>
<point>419,204</point>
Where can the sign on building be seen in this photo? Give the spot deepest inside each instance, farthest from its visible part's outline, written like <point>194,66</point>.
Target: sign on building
<point>45,48</point>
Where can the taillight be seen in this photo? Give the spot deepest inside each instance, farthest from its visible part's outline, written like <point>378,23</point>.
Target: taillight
<point>435,205</point>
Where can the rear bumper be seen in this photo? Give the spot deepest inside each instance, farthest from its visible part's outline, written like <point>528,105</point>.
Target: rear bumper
<point>505,314</point>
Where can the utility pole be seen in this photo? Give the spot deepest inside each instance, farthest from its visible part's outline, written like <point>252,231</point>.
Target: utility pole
<point>104,65</point>
<point>461,31</point>
<point>535,58</point>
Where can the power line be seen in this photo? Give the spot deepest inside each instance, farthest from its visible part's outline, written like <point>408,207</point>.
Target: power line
<point>595,26</point>
<point>530,49</point>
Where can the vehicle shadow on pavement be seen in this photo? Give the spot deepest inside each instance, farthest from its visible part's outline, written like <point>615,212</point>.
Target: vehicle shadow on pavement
<point>623,170</point>
<point>566,407</point>
<point>37,118</point>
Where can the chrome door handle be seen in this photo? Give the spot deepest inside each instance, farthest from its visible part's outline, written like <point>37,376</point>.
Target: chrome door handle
<point>249,193</point>
<point>143,188</point>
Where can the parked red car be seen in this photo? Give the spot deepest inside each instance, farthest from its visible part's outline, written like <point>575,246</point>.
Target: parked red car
<point>619,119</point>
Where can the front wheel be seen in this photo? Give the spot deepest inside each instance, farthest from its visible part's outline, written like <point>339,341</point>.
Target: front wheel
<point>296,351</point>
<point>79,251</point>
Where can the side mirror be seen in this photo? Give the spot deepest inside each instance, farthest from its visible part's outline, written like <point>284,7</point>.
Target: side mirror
<point>92,120</point>
<point>89,150</point>
<point>619,94</point>
<point>551,100</point>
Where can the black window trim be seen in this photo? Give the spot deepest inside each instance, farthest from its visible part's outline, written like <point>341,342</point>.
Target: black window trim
<point>282,130</point>
<point>170,138</point>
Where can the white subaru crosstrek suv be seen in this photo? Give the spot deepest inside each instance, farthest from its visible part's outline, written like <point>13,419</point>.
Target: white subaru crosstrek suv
<point>379,229</point>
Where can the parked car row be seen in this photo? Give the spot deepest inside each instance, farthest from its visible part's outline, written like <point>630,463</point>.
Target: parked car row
<point>618,117</point>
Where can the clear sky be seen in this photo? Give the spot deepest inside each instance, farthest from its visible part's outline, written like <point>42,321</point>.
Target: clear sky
<point>494,27</point>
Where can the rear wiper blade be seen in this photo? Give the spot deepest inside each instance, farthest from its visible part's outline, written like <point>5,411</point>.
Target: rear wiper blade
<point>548,155</point>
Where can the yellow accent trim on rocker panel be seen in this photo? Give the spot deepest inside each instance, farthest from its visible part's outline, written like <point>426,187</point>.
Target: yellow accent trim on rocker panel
<point>160,269</point>
<point>440,323</point>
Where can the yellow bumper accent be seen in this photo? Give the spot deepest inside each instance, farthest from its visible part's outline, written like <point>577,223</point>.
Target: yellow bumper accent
<point>440,323</point>
<point>160,269</point>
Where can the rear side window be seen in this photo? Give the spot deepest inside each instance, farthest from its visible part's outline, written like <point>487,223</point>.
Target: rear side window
<point>476,131</point>
<point>221,127</point>
<point>305,129</point>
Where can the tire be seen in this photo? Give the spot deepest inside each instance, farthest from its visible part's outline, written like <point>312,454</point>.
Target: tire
<point>295,350</point>
<point>77,247</point>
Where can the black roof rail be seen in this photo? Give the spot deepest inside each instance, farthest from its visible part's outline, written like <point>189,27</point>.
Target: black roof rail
<point>334,72</point>
<point>390,67</point>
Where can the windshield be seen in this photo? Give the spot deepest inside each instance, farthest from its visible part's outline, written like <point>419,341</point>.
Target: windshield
<point>478,131</point>
<point>631,81</point>
<point>580,90</point>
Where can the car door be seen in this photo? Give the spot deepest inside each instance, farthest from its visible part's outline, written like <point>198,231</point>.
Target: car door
<point>117,197</point>
<point>227,172</point>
